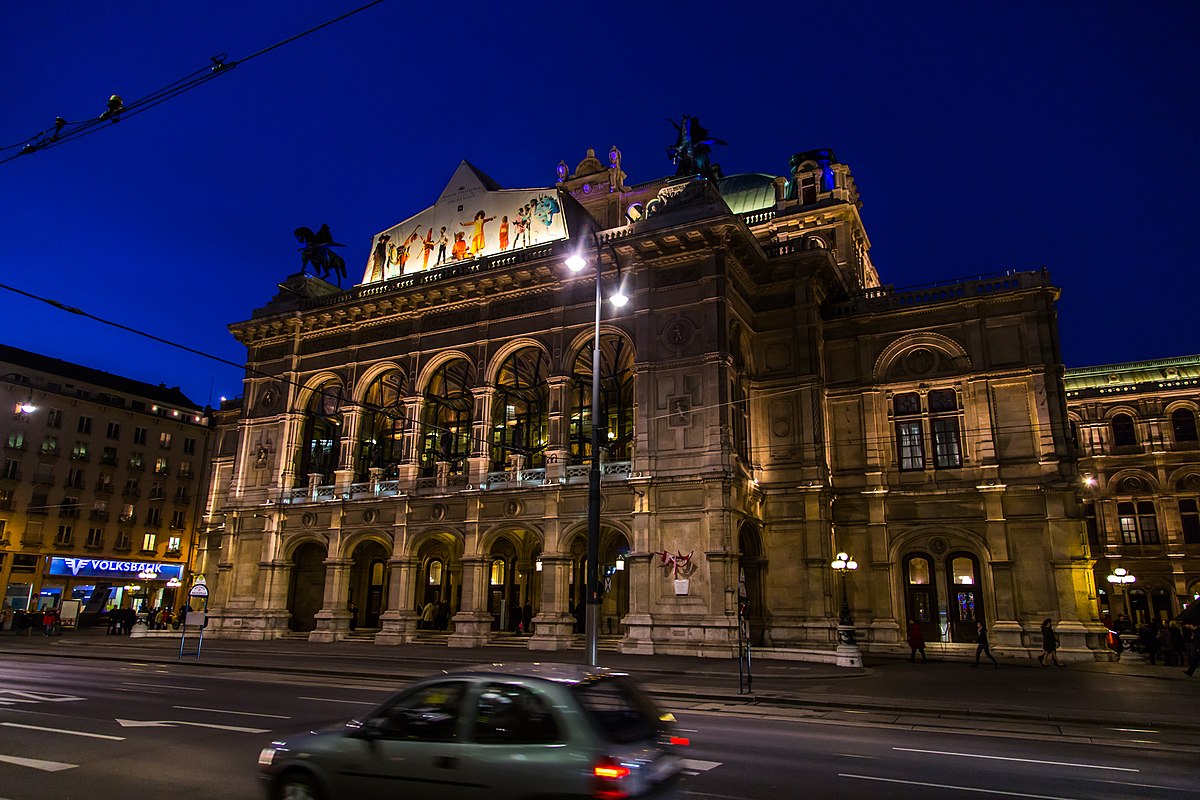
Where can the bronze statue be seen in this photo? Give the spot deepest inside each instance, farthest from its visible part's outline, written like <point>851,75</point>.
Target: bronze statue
<point>316,252</point>
<point>692,152</point>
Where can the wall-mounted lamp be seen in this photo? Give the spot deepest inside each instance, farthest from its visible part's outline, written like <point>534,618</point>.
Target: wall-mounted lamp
<point>537,565</point>
<point>620,562</point>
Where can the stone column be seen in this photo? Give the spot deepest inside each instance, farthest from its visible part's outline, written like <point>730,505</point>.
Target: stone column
<point>473,624</point>
<point>333,621</point>
<point>399,622</point>
<point>558,427</point>
<point>554,626</point>
<point>410,460</point>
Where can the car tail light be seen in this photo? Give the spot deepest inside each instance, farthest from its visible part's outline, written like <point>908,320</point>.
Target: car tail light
<point>609,775</point>
<point>681,741</point>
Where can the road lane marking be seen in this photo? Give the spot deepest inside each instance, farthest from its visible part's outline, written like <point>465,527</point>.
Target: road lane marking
<point>222,711</point>
<point>62,730</point>
<point>335,700</point>
<point>1143,785</point>
<point>955,788</point>
<point>697,764</point>
<point>1022,760</point>
<point>140,685</point>
<point>10,697</point>
<point>168,723</point>
<point>37,763</point>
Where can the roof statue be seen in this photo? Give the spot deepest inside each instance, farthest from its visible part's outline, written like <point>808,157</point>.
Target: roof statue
<point>691,153</point>
<point>316,251</point>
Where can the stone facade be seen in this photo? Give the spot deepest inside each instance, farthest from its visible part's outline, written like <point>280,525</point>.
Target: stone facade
<point>767,403</point>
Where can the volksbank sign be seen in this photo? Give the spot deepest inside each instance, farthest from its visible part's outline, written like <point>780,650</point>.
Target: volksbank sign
<point>108,568</point>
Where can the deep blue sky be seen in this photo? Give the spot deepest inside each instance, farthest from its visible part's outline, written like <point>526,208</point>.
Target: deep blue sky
<point>983,137</point>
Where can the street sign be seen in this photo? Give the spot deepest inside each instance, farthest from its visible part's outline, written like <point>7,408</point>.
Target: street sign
<point>199,590</point>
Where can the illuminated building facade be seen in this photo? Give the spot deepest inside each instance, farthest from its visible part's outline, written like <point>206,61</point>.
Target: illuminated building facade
<point>1140,468</point>
<point>101,486</point>
<point>421,441</point>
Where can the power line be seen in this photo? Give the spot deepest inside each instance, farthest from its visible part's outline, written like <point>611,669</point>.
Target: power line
<point>63,131</point>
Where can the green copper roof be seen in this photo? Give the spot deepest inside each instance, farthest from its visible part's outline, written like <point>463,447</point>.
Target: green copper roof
<point>1161,372</point>
<point>749,191</point>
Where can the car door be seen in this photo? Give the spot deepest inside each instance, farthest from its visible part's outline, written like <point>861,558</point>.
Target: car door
<point>518,744</point>
<point>410,747</point>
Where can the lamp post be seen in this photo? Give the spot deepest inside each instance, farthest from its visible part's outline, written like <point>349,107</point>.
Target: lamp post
<point>1120,577</point>
<point>592,605</point>
<point>848,652</point>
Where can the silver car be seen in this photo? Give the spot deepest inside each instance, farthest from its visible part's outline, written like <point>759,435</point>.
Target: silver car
<point>497,731</point>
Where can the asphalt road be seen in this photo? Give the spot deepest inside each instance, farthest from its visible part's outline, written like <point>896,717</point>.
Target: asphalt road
<point>79,728</point>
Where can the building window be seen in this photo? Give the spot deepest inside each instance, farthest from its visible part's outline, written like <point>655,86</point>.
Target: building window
<point>161,467</point>
<point>149,540</point>
<point>104,482</point>
<point>6,499</point>
<point>1138,521</point>
<point>498,572</point>
<point>1093,527</point>
<point>63,537</point>
<point>1183,425</point>
<point>189,446</point>
<point>185,469</point>
<point>50,446</point>
<point>3,535</point>
<point>108,456</point>
<point>153,517</point>
<point>520,410</point>
<point>85,424</point>
<point>178,519</point>
<point>75,478</point>
<point>114,431</point>
<point>1123,432</point>
<point>16,441</point>
<point>909,433</point>
<point>181,494</point>
<point>137,461</point>
<point>131,488</point>
<point>127,512</point>
<point>173,544</point>
<point>446,417</point>
<point>139,435</point>
<point>1189,517</point>
<point>95,537</point>
<point>69,507</point>
<point>54,418</point>
<point>80,451</point>
<point>616,401</point>
<point>164,440</point>
<point>122,542</point>
<point>39,503</point>
<point>12,469</point>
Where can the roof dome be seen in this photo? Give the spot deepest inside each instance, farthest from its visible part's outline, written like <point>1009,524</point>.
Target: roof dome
<point>748,191</point>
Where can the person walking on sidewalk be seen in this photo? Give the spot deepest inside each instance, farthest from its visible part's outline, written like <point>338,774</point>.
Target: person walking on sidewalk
<point>982,647</point>
<point>1191,647</point>
<point>916,641</point>
<point>1049,644</point>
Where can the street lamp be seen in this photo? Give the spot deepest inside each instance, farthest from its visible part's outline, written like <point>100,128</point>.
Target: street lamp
<point>843,565</point>
<point>576,262</point>
<point>1120,577</point>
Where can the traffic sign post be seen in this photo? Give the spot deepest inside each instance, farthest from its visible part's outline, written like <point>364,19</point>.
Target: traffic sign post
<point>195,618</point>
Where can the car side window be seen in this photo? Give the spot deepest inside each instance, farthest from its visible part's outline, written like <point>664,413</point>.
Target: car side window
<point>428,714</point>
<point>507,713</point>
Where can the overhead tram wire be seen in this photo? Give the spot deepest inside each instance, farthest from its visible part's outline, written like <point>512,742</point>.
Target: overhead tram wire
<point>63,131</point>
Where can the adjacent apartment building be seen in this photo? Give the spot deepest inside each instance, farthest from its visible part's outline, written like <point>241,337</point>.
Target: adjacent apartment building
<point>100,488</point>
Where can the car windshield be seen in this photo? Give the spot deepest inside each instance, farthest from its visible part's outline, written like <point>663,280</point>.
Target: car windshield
<point>621,712</point>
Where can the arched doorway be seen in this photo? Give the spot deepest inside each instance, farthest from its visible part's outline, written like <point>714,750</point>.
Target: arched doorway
<point>962,576</point>
<point>439,580</point>
<point>751,570</point>
<point>306,592</point>
<point>1139,607</point>
<point>920,595</point>
<point>368,579</point>
<point>613,580</point>
<point>1160,602</point>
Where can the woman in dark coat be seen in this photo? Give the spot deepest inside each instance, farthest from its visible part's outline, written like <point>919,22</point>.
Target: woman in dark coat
<point>916,641</point>
<point>1049,644</point>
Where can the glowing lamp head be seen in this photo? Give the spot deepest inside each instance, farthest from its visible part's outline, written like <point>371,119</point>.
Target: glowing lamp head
<point>26,408</point>
<point>619,298</point>
<point>576,262</point>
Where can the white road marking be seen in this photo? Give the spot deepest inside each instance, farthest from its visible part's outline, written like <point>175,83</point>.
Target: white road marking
<point>139,684</point>
<point>168,723</point>
<point>222,711</point>
<point>62,730</point>
<point>1144,785</point>
<point>854,755</point>
<point>10,697</point>
<point>335,700</point>
<point>37,763</point>
<point>955,788</point>
<point>698,764</point>
<point>1022,760</point>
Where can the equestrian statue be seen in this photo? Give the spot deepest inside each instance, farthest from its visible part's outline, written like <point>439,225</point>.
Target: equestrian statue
<point>316,251</point>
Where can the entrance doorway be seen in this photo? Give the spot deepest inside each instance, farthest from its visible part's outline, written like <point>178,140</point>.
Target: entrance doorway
<point>921,599</point>
<point>306,592</point>
<point>966,608</point>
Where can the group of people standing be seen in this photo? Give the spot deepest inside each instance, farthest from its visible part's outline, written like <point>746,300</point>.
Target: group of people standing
<point>916,644</point>
<point>24,622</point>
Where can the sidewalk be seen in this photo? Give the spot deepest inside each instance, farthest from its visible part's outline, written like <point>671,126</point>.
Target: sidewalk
<point>1097,700</point>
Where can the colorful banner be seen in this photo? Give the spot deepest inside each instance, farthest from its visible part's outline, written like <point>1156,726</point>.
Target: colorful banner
<point>472,218</point>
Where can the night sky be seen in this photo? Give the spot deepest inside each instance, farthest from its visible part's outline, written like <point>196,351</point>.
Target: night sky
<point>982,137</point>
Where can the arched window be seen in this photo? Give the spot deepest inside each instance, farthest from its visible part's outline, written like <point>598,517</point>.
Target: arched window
<point>446,417</point>
<point>1183,425</point>
<point>616,401</point>
<point>921,594</point>
<point>381,428</point>
<point>966,600</point>
<point>1123,432</point>
<point>520,413</point>
<point>321,437</point>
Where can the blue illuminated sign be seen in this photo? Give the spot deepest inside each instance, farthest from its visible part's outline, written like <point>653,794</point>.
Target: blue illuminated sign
<point>110,568</point>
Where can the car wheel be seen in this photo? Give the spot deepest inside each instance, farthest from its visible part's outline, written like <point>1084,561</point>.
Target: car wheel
<point>298,786</point>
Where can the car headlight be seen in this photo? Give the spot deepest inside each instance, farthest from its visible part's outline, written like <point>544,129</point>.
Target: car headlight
<point>267,756</point>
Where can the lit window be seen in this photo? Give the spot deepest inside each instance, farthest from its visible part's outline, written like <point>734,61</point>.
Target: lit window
<point>149,540</point>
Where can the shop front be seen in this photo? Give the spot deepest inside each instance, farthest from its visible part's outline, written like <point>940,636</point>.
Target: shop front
<point>102,583</point>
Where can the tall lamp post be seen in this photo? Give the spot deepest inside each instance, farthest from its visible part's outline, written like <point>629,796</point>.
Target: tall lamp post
<point>1119,578</point>
<point>848,652</point>
<point>576,263</point>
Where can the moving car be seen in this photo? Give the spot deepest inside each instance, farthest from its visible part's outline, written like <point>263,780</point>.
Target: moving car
<point>495,731</point>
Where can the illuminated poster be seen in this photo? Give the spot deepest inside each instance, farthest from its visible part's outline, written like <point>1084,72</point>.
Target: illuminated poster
<point>472,218</point>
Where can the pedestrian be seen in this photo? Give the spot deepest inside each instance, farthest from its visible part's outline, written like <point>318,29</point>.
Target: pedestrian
<point>1148,636</point>
<point>982,645</point>
<point>21,622</point>
<point>427,614</point>
<point>164,618</point>
<point>1191,646</point>
<point>916,641</point>
<point>527,619</point>
<point>1176,656</point>
<point>1049,644</point>
<point>48,622</point>
<point>442,617</point>
<point>353,615</point>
